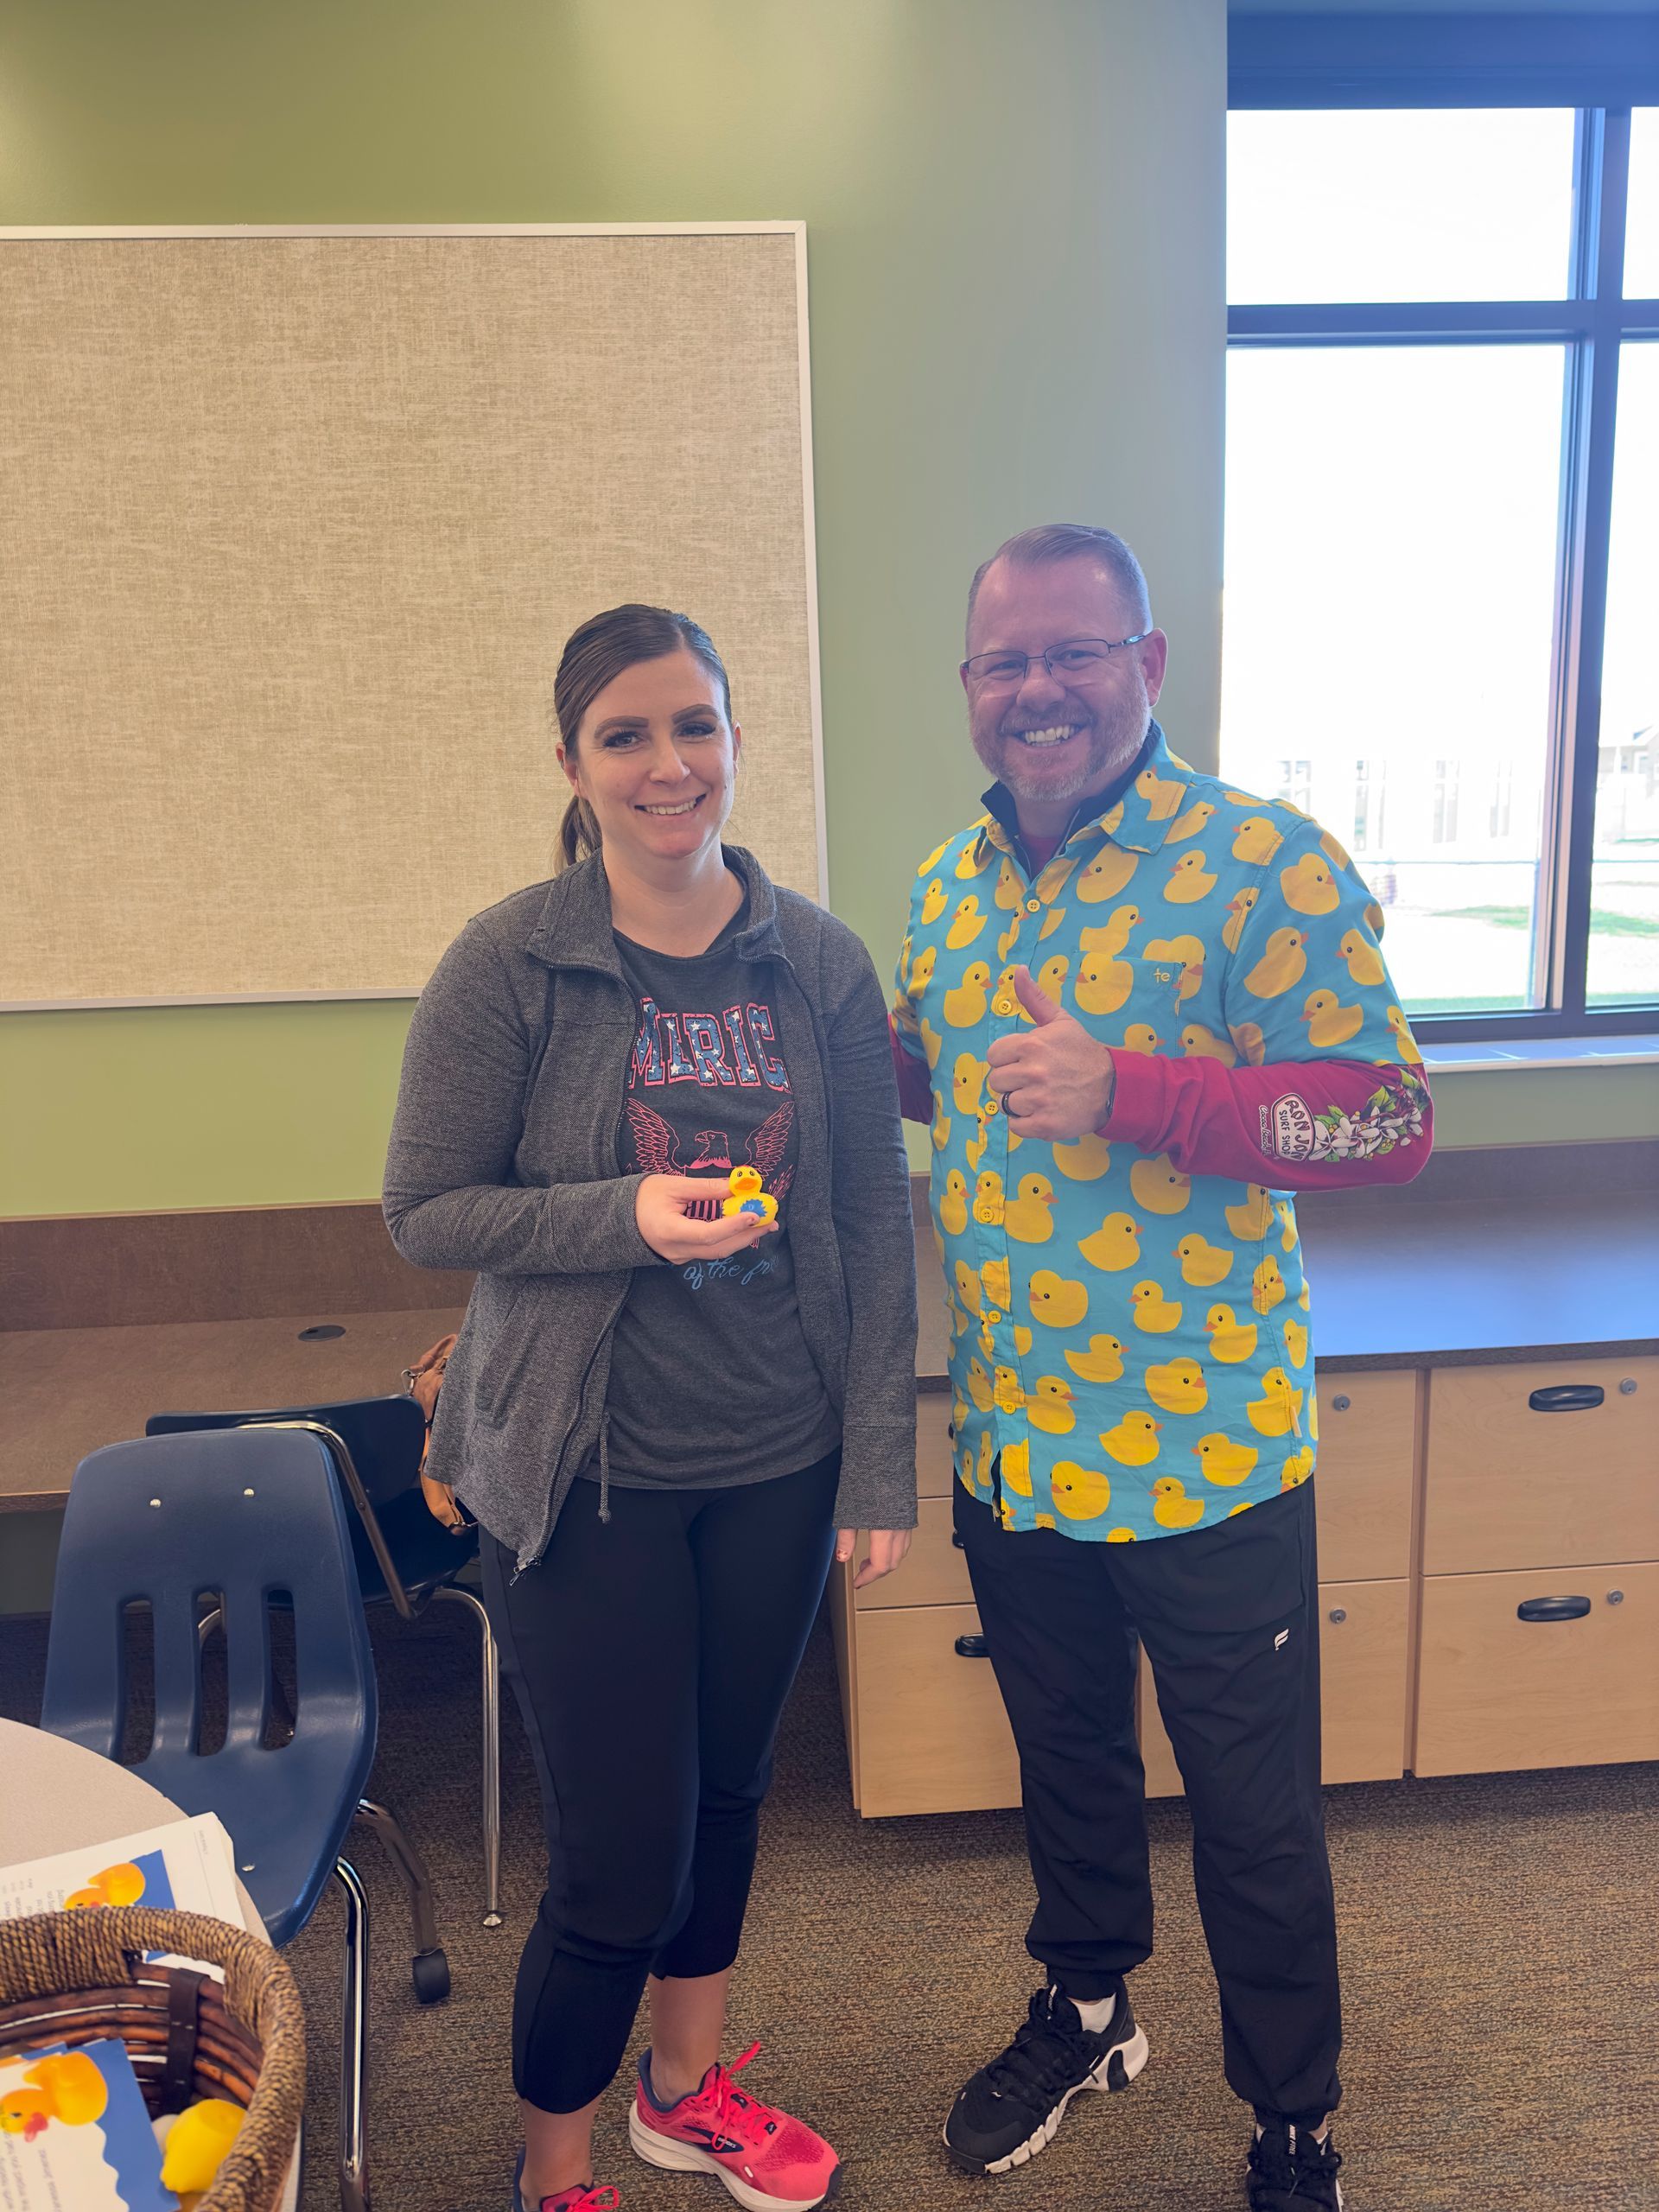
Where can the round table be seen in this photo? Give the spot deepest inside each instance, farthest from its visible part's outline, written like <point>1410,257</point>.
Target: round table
<point>58,1797</point>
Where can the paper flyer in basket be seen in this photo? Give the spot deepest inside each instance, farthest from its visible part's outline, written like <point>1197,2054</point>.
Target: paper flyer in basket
<point>186,1866</point>
<point>74,2135</point>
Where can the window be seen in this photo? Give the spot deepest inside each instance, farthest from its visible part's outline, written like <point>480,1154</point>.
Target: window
<point>1442,532</point>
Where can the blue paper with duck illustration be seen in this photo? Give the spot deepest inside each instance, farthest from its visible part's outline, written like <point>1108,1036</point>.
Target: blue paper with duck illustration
<point>75,2135</point>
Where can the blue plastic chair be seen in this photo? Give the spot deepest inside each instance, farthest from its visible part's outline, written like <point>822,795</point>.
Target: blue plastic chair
<point>236,1520</point>
<point>404,1558</point>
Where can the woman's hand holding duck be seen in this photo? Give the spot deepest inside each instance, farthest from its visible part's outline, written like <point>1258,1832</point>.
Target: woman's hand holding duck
<point>662,1209</point>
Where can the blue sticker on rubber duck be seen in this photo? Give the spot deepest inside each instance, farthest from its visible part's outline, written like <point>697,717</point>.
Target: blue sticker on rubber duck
<point>748,1196</point>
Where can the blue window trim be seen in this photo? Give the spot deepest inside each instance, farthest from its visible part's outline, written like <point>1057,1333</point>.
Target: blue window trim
<point>1391,59</point>
<point>1602,65</point>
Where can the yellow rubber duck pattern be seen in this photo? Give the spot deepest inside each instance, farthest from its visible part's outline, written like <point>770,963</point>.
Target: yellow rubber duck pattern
<point>1131,1342</point>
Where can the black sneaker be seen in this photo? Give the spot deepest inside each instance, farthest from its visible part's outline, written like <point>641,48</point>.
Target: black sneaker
<point>1290,2170</point>
<point>1011,2108</point>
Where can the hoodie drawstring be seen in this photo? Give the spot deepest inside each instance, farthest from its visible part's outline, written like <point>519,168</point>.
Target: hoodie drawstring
<point>605,1464</point>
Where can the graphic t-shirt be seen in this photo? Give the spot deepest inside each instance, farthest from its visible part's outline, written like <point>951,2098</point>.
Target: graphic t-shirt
<point>711,1380</point>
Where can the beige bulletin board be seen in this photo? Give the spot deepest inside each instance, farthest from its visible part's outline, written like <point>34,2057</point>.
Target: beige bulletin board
<point>296,523</point>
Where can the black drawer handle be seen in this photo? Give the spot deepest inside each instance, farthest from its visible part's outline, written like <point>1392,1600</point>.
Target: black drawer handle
<point>972,1647</point>
<point>1567,1398</point>
<point>956,1538</point>
<point>1552,1609</point>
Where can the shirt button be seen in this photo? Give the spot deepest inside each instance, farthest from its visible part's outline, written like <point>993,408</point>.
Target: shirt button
<point>1033,905</point>
<point>1003,1005</point>
<point>991,1108</point>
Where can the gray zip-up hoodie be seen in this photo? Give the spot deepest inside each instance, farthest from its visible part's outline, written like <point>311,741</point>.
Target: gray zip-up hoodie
<point>503,1159</point>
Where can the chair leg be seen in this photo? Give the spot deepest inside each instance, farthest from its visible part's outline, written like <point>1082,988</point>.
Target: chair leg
<point>353,2044</point>
<point>429,1966</point>
<point>492,1684</point>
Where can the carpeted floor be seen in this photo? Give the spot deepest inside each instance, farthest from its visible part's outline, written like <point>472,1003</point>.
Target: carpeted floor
<point>1501,1953</point>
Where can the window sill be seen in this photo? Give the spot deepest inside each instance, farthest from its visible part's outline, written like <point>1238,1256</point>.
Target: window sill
<point>1547,1052</point>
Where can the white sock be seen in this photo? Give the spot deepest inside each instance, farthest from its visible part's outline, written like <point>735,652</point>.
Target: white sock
<point>1318,2134</point>
<point>1095,2013</point>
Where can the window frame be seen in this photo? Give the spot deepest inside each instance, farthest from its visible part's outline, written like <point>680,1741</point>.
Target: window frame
<point>1602,67</point>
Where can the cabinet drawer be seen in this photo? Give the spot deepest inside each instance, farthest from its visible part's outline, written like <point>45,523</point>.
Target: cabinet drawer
<point>1494,1692</point>
<point>933,1573</point>
<point>1367,1454</point>
<point>934,1472</point>
<point>932,1735</point>
<point>1513,1486</point>
<point>1363,1673</point>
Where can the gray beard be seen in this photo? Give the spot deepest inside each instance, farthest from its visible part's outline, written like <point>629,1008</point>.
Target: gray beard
<point>1111,747</point>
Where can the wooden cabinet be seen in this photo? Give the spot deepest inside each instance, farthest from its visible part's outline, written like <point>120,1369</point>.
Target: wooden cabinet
<point>1365,1668</point>
<point>1366,1474</point>
<point>933,1571</point>
<point>925,1728</point>
<point>1554,1667</point>
<point>1541,1462</point>
<point>931,1735</point>
<point>1447,1499</point>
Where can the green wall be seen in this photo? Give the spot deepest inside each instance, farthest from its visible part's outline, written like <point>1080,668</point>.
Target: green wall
<point>1015,227</point>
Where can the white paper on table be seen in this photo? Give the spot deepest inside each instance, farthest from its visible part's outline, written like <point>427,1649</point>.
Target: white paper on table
<point>184,1867</point>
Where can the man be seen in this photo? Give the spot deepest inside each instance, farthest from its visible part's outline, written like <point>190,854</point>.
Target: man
<point>1140,1008</point>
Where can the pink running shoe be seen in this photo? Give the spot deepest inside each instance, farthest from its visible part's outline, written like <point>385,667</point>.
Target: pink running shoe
<point>766,2158</point>
<point>580,2199</point>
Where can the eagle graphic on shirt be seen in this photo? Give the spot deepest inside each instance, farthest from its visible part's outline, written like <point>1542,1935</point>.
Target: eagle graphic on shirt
<point>659,1152</point>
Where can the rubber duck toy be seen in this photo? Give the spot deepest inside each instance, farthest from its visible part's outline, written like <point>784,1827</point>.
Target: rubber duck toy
<point>748,1196</point>
<point>197,2145</point>
<point>66,2087</point>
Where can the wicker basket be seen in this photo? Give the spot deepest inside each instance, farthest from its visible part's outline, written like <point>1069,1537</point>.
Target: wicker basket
<point>74,1977</point>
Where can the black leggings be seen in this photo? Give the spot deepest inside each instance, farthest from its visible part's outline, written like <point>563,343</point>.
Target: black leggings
<point>650,1655</point>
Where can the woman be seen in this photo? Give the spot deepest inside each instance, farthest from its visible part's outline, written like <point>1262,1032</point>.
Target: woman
<point>664,1415</point>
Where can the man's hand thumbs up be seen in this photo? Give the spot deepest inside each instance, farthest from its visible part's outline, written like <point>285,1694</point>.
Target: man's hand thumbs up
<point>1036,1001</point>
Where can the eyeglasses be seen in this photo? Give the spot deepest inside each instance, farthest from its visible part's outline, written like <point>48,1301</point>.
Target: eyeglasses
<point>1074,662</point>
